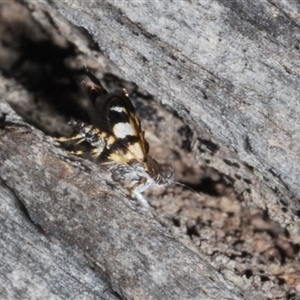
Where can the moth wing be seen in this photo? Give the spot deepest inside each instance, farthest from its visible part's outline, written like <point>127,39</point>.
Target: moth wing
<point>140,148</point>
<point>114,115</point>
<point>130,143</point>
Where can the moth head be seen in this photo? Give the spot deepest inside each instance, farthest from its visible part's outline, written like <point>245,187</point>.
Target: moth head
<point>162,175</point>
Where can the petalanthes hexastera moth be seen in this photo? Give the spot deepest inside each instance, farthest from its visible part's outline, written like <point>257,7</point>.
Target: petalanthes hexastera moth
<point>118,141</point>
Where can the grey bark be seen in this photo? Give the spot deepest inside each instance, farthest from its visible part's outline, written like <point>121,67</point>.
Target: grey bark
<point>230,71</point>
<point>83,214</point>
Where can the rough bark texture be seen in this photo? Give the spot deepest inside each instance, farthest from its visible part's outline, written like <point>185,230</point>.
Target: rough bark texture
<point>229,70</point>
<point>75,202</point>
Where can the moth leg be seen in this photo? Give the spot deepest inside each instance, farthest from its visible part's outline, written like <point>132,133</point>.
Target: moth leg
<point>78,152</point>
<point>136,194</point>
<point>96,152</point>
<point>65,139</point>
<point>80,141</point>
<point>81,152</point>
<point>143,201</point>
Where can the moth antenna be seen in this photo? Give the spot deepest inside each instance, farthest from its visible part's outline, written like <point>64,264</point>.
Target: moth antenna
<point>189,188</point>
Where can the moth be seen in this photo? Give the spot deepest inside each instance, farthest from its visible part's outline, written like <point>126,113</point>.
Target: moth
<point>118,141</point>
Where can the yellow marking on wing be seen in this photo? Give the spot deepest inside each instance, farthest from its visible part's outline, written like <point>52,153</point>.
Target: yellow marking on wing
<point>111,140</point>
<point>123,156</point>
<point>136,151</point>
<point>119,158</point>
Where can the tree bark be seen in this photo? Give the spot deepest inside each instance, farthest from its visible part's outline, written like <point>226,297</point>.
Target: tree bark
<point>229,71</point>
<point>74,201</point>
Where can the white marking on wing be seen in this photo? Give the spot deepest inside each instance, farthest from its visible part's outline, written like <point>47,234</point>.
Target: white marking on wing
<point>117,108</point>
<point>121,130</point>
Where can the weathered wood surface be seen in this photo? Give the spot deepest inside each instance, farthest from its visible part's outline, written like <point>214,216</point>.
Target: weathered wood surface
<point>228,68</point>
<point>75,204</point>
<point>34,264</point>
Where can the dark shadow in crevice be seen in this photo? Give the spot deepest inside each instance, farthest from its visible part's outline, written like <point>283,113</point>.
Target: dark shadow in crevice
<point>38,62</point>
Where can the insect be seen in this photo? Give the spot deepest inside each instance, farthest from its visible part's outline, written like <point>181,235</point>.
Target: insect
<point>118,141</point>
